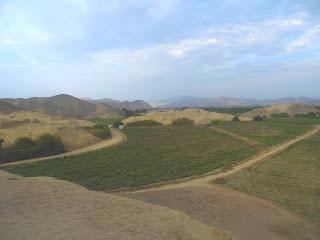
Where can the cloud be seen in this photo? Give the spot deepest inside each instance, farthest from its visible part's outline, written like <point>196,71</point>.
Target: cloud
<point>307,39</point>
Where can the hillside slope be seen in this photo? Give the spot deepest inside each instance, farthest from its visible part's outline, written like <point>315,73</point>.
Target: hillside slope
<point>129,105</point>
<point>46,208</point>
<point>7,108</point>
<point>290,108</point>
<point>198,116</point>
<point>65,106</point>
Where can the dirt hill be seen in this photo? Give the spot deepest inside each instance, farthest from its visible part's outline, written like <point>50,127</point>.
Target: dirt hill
<point>45,208</point>
<point>33,124</point>
<point>199,116</point>
<point>290,108</point>
<point>7,108</point>
<point>65,106</point>
<point>129,105</point>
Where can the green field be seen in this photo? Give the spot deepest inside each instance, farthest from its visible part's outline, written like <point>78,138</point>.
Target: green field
<point>291,179</point>
<point>151,155</point>
<point>269,132</point>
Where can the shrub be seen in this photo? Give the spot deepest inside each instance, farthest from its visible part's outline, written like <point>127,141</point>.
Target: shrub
<point>145,123</point>
<point>1,142</point>
<point>24,142</point>
<point>183,121</point>
<point>311,115</point>
<point>48,144</point>
<point>26,148</point>
<point>235,119</point>
<point>258,118</point>
<point>280,115</point>
<point>99,132</point>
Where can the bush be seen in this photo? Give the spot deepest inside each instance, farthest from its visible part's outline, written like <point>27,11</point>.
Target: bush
<point>26,148</point>
<point>1,142</point>
<point>48,144</point>
<point>144,123</point>
<point>300,115</point>
<point>258,118</point>
<point>280,115</point>
<point>235,119</point>
<point>99,132</point>
<point>183,121</point>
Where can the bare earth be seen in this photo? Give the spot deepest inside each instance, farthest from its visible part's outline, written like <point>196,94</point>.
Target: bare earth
<point>45,208</point>
<point>117,137</point>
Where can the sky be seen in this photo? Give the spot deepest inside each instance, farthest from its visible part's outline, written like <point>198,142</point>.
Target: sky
<point>158,49</point>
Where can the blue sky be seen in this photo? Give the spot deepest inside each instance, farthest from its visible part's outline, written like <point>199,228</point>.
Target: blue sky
<point>156,49</point>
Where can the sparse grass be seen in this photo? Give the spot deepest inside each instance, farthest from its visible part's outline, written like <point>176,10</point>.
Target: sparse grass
<point>151,155</point>
<point>269,132</point>
<point>291,179</point>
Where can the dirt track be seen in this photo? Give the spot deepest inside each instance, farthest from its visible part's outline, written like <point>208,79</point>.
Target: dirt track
<point>46,208</point>
<point>243,216</point>
<point>117,137</point>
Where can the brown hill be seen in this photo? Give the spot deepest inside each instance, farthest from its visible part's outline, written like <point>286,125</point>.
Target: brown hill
<point>198,116</point>
<point>65,106</point>
<point>129,105</point>
<point>46,208</point>
<point>290,108</point>
<point>7,108</point>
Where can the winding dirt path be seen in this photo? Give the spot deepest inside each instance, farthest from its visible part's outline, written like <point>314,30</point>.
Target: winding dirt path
<point>205,180</point>
<point>117,137</point>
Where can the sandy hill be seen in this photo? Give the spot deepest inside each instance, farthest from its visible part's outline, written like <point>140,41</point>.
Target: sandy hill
<point>45,208</point>
<point>65,106</point>
<point>33,124</point>
<point>129,105</point>
<point>199,116</point>
<point>7,108</point>
<point>290,108</point>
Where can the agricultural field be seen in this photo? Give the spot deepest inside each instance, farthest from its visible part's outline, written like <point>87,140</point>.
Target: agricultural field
<point>152,154</point>
<point>290,179</point>
<point>271,131</point>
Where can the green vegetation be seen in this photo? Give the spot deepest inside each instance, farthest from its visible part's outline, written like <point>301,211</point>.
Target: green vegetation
<point>26,148</point>
<point>291,179</point>
<point>231,110</point>
<point>151,155</point>
<point>138,112</point>
<point>269,132</point>
<point>144,123</point>
<point>280,115</point>
<point>308,115</point>
<point>183,121</point>
<point>101,128</point>
<point>1,142</point>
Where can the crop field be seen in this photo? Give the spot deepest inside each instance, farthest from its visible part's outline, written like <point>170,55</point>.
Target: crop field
<point>291,179</point>
<point>151,155</point>
<point>269,132</point>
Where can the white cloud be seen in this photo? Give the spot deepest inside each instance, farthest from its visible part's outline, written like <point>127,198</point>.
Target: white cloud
<point>309,37</point>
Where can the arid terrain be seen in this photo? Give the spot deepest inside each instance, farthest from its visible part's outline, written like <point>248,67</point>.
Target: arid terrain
<point>169,181</point>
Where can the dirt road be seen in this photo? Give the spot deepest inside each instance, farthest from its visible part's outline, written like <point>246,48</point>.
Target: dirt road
<point>117,137</point>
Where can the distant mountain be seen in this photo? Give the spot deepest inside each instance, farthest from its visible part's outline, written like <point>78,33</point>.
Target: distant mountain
<point>129,105</point>
<point>192,102</point>
<point>7,108</point>
<point>65,106</point>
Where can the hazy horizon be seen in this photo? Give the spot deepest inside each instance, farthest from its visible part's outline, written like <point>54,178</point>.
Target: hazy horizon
<point>156,50</point>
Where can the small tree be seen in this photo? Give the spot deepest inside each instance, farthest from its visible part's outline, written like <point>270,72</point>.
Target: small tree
<point>24,142</point>
<point>258,118</point>
<point>48,144</point>
<point>235,119</point>
<point>1,142</point>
